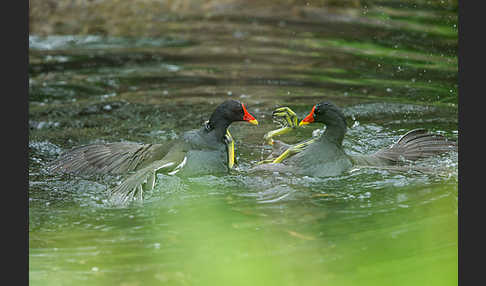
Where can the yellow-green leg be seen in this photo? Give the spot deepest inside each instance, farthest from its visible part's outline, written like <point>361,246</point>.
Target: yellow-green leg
<point>268,136</point>
<point>285,117</point>
<point>288,119</point>
<point>231,149</point>
<point>292,151</point>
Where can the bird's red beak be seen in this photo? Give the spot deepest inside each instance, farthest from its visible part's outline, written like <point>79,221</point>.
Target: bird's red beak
<point>248,117</point>
<point>309,118</point>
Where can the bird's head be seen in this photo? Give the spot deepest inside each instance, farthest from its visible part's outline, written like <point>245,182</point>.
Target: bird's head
<point>231,111</point>
<point>324,112</point>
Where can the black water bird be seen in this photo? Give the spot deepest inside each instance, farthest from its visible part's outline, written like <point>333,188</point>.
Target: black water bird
<point>208,150</point>
<point>324,156</point>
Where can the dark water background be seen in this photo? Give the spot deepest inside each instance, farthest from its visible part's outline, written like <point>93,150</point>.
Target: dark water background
<point>390,67</point>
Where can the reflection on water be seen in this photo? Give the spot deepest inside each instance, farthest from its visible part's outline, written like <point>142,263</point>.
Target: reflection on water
<point>367,226</point>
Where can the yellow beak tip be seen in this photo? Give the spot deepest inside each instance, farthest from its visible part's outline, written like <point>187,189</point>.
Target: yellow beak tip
<point>303,123</point>
<point>254,122</point>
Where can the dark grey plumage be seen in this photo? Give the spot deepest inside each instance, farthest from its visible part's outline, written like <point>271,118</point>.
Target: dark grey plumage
<point>200,151</point>
<point>325,155</point>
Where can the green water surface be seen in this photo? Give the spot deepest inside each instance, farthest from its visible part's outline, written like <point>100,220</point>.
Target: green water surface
<point>391,68</point>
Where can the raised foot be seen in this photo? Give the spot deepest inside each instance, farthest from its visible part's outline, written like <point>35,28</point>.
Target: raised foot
<point>286,118</point>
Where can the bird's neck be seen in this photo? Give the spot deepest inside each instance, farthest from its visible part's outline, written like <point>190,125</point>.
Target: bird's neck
<point>335,132</point>
<point>217,128</point>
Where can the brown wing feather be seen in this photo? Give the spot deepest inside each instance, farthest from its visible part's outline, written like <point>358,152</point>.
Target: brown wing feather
<point>416,144</point>
<point>133,186</point>
<point>114,158</point>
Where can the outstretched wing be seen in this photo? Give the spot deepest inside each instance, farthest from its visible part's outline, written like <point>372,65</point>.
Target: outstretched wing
<point>416,144</point>
<point>132,187</point>
<point>114,158</point>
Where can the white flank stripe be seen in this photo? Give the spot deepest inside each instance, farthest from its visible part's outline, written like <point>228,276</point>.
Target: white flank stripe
<point>179,167</point>
<point>164,166</point>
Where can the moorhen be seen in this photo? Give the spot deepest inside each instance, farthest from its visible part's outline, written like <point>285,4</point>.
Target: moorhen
<point>324,156</point>
<point>207,150</point>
